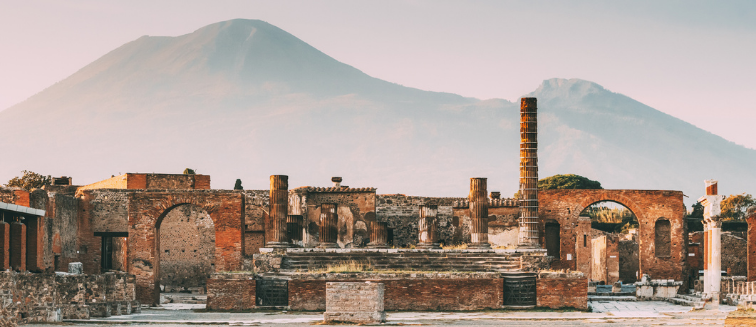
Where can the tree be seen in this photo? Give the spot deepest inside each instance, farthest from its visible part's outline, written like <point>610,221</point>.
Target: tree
<point>569,181</point>
<point>29,181</point>
<point>188,171</point>
<point>734,206</point>
<point>698,210</point>
<point>238,185</point>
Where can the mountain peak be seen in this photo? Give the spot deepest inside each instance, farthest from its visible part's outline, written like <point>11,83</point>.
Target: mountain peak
<point>566,88</point>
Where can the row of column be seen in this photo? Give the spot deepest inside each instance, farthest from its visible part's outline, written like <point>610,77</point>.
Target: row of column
<point>286,229</point>
<point>20,245</point>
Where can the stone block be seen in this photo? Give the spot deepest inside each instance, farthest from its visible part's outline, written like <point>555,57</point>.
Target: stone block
<point>100,309</point>
<point>360,303</point>
<point>74,311</point>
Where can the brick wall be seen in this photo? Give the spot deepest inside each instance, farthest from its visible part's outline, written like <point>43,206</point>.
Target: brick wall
<point>231,292</point>
<point>403,292</point>
<point>555,291</point>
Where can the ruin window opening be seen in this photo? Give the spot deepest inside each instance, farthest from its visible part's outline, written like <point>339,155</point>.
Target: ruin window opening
<point>553,240</point>
<point>585,241</point>
<point>611,217</point>
<point>662,238</point>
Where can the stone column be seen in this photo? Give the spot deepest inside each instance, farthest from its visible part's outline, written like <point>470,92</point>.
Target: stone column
<point>294,228</point>
<point>329,220</point>
<point>4,246</point>
<point>528,237</point>
<point>378,235</point>
<point>712,220</point>
<point>279,208</point>
<point>427,229</point>
<point>18,246</point>
<point>479,213</point>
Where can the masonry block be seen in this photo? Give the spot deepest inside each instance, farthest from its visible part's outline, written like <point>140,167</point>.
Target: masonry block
<point>360,303</point>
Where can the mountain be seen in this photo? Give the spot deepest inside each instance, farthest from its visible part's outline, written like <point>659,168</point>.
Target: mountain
<point>245,99</point>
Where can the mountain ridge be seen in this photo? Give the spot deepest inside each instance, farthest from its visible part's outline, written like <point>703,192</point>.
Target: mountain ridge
<point>245,99</point>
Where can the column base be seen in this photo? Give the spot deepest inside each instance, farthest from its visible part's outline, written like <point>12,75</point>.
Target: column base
<point>277,245</point>
<point>328,245</point>
<point>478,246</point>
<point>428,246</point>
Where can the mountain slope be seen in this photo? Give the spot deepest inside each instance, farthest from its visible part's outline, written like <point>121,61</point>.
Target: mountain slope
<point>244,99</point>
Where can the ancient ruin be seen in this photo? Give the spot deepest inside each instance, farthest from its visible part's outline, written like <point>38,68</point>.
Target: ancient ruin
<point>143,235</point>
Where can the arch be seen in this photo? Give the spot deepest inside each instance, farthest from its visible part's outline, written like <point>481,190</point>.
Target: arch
<point>186,248</point>
<point>147,210</point>
<point>662,238</point>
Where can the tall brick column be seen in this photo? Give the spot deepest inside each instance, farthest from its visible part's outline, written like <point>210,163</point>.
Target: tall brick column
<point>329,219</point>
<point>378,235</point>
<point>427,229</point>
<point>713,243</point>
<point>279,208</point>
<point>4,246</point>
<point>34,244</point>
<point>18,246</point>
<point>294,228</point>
<point>528,236</point>
<point>751,247</point>
<point>479,213</point>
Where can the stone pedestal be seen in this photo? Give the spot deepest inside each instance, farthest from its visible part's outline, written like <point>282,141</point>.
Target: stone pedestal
<point>427,227</point>
<point>479,214</point>
<point>328,226</point>
<point>357,303</point>
<point>279,209</point>
<point>378,235</point>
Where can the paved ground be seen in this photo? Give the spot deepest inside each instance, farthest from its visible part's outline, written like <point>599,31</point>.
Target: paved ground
<point>606,313</point>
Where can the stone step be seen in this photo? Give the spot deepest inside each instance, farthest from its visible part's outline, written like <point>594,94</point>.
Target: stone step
<point>184,298</point>
<point>687,302</point>
<point>596,298</point>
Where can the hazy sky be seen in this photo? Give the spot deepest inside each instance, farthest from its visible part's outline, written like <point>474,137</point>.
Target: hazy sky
<point>695,60</point>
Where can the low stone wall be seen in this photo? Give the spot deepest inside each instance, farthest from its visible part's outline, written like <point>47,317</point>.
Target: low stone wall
<point>231,291</point>
<point>360,303</point>
<point>431,291</point>
<point>737,290</point>
<point>656,289</point>
<point>27,297</point>
<point>562,290</point>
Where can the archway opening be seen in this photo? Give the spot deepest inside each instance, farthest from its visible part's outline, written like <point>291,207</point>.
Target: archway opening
<point>613,241</point>
<point>186,248</point>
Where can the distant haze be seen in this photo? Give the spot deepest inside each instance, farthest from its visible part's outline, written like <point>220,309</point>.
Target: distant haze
<point>245,99</point>
<point>691,59</point>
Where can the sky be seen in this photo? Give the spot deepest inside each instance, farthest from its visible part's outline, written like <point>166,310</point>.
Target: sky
<point>695,60</point>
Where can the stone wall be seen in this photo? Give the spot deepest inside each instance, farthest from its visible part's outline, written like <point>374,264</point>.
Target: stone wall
<point>734,255</point>
<point>31,297</point>
<point>256,204</point>
<point>187,248</point>
<point>422,292</point>
<point>562,290</point>
<point>751,248</point>
<point>402,212</point>
<point>360,303</point>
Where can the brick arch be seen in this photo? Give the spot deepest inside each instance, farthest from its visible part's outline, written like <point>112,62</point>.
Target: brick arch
<point>148,209</point>
<point>648,205</point>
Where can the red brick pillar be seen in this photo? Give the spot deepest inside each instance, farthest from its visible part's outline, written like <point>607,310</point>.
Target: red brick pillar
<point>426,225</point>
<point>294,228</point>
<point>4,246</point>
<point>378,235</point>
<point>528,173</point>
<point>18,246</point>
<point>751,247</point>
<point>34,246</point>
<point>479,213</point>
<point>328,225</point>
<point>279,209</point>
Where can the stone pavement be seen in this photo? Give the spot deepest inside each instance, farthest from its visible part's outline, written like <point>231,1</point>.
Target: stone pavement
<point>606,313</point>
